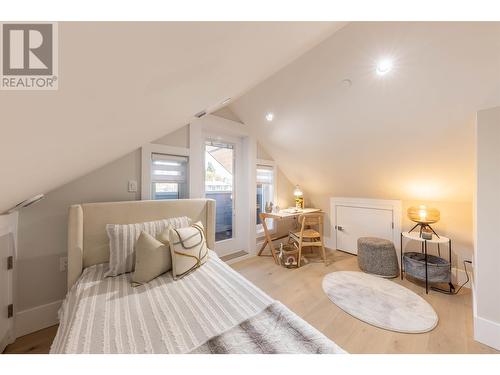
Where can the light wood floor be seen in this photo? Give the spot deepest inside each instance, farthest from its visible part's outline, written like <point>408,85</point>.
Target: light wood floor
<point>300,289</point>
<point>35,343</point>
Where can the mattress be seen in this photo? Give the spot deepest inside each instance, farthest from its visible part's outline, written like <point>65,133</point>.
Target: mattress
<point>107,315</point>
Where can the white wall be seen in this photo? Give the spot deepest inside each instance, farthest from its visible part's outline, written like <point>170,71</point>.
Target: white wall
<point>284,195</point>
<point>487,224</point>
<point>43,228</point>
<point>178,138</point>
<point>227,113</point>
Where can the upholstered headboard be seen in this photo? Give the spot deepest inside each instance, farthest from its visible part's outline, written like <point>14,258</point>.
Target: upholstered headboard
<point>88,242</point>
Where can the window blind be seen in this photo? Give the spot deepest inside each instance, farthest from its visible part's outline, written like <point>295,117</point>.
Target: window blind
<point>265,174</point>
<point>168,168</point>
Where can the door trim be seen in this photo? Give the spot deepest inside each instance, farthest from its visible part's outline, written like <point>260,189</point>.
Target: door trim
<point>215,124</point>
<point>237,241</point>
<point>381,204</point>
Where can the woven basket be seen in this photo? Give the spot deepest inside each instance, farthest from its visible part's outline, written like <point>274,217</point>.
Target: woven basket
<point>438,269</point>
<point>287,253</point>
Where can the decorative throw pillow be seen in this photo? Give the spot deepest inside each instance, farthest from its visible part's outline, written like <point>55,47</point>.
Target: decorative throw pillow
<point>188,248</point>
<point>152,258</point>
<point>122,239</point>
<point>163,236</point>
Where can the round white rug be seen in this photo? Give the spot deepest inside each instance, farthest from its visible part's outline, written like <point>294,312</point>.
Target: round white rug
<point>380,302</point>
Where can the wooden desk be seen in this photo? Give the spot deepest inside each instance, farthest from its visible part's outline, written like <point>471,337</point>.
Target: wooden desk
<point>283,214</point>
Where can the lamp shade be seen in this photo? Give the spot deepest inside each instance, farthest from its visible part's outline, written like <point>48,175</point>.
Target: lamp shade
<point>423,214</point>
<point>297,192</point>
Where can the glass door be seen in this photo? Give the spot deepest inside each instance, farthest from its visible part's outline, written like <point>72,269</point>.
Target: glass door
<point>219,185</point>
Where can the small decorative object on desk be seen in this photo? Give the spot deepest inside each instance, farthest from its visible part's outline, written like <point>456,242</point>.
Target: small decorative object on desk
<point>269,207</point>
<point>299,197</point>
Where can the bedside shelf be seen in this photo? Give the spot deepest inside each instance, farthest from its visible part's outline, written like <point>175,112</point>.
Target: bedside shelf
<point>416,237</point>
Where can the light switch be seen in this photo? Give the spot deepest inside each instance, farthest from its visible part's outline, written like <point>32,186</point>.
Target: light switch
<point>132,186</point>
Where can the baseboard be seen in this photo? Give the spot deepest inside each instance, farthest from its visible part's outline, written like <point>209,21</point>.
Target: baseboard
<point>239,259</point>
<point>6,340</point>
<point>36,318</point>
<point>487,332</point>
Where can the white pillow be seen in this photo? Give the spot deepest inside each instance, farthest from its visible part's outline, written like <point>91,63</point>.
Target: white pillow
<point>188,248</point>
<point>123,237</point>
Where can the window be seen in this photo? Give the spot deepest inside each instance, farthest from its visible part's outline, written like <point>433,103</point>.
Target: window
<point>169,176</point>
<point>219,178</point>
<point>265,192</point>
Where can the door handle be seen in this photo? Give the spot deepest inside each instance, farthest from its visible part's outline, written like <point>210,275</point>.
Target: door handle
<point>339,227</point>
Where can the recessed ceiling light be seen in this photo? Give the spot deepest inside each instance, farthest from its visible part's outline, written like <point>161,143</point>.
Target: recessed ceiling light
<point>384,66</point>
<point>270,116</point>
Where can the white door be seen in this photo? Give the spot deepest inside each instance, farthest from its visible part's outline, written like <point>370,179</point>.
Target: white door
<point>223,173</point>
<point>355,222</point>
<point>7,244</point>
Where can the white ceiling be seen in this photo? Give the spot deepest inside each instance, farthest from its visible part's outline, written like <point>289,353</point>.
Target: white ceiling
<point>124,84</point>
<point>408,135</point>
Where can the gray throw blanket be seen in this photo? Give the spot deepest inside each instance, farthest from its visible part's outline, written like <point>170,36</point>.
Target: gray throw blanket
<point>276,330</point>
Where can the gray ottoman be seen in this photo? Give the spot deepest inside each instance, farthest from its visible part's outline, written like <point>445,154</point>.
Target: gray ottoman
<point>377,256</point>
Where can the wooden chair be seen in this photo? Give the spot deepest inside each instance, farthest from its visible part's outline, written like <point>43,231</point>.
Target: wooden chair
<point>307,236</point>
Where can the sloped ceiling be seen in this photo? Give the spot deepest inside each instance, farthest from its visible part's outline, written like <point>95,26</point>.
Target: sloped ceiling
<point>124,84</point>
<point>406,135</point>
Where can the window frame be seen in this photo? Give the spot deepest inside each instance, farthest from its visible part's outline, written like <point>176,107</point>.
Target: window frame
<point>272,164</point>
<point>146,154</point>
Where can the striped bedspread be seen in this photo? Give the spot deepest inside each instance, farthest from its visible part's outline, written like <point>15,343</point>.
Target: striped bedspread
<point>108,315</point>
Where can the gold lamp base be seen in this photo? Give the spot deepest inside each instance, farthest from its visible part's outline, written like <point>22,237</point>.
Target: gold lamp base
<point>423,228</point>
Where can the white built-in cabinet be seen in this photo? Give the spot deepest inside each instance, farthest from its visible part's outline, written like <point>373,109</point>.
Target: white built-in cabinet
<point>359,217</point>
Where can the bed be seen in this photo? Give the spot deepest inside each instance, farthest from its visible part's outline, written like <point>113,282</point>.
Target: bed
<point>211,310</point>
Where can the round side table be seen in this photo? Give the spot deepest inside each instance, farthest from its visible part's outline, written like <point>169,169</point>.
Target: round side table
<point>415,236</point>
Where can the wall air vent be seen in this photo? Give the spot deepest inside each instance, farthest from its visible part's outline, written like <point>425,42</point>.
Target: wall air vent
<point>200,114</point>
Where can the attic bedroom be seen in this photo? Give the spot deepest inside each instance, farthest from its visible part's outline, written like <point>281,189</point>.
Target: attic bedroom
<point>270,187</point>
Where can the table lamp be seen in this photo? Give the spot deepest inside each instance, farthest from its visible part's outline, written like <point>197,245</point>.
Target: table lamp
<point>299,198</point>
<point>423,216</point>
